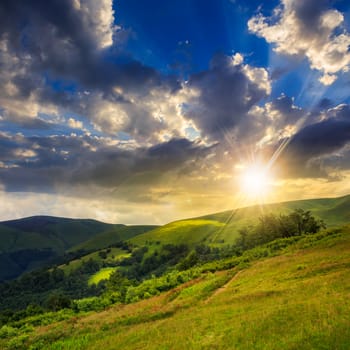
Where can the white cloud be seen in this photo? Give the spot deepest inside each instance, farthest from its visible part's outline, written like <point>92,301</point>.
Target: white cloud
<point>151,117</point>
<point>298,29</point>
<point>328,79</point>
<point>24,153</point>
<point>99,17</point>
<point>75,124</point>
<point>258,76</point>
<point>237,59</point>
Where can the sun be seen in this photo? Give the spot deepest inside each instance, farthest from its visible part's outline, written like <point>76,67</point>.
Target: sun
<point>255,181</point>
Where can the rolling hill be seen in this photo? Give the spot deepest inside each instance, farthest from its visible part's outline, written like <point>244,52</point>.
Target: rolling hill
<point>31,242</point>
<point>298,298</point>
<point>112,236</point>
<point>223,227</point>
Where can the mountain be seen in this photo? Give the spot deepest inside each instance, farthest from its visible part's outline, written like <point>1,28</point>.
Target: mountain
<point>296,297</point>
<point>31,242</point>
<point>223,227</point>
<point>39,232</point>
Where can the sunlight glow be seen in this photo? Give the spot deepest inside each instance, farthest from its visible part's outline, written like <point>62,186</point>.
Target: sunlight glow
<point>255,181</point>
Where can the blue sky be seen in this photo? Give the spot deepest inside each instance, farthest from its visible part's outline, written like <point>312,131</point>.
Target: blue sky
<point>166,32</point>
<point>108,108</point>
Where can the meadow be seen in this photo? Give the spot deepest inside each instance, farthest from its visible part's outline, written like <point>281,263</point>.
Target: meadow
<point>287,294</point>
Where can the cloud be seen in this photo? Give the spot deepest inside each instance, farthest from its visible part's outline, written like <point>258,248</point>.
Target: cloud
<point>86,47</point>
<point>319,148</point>
<point>308,29</point>
<point>152,117</point>
<point>99,18</point>
<point>47,164</point>
<point>324,137</point>
<point>75,124</point>
<point>86,72</point>
<point>221,96</point>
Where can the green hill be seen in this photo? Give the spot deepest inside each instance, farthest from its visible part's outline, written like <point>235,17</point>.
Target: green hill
<point>113,254</point>
<point>30,243</point>
<point>58,234</point>
<point>298,298</point>
<point>223,227</point>
<point>112,236</point>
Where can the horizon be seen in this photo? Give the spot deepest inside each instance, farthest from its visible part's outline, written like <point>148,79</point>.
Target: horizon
<point>124,114</point>
<point>178,219</point>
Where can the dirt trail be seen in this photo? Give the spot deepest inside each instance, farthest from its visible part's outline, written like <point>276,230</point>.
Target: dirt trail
<point>223,287</point>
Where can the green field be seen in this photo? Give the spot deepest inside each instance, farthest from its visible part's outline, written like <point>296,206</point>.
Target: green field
<point>223,228</point>
<point>113,255</point>
<point>181,232</point>
<point>101,275</point>
<point>298,299</point>
<point>110,237</point>
<point>190,284</point>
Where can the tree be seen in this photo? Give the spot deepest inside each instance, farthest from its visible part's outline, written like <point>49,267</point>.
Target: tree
<point>305,223</point>
<point>190,260</point>
<point>57,302</point>
<point>118,283</point>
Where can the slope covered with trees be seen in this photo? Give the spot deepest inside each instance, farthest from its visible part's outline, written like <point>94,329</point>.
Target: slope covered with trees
<point>29,243</point>
<point>290,293</point>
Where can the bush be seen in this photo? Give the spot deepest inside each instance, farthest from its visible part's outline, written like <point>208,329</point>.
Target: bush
<point>92,304</point>
<point>8,332</point>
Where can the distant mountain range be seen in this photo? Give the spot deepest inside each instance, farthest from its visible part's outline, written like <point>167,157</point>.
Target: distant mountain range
<point>32,242</point>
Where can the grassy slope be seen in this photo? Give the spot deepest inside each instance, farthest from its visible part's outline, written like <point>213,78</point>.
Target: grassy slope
<point>224,227</point>
<point>297,300</point>
<point>101,275</point>
<point>113,255</point>
<point>41,233</point>
<point>178,232</point>
<point>117,234</point>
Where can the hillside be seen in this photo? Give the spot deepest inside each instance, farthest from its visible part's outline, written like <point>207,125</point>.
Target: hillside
<point>112,236</point>
<point>31,242</point>
<point>296,298</point>
<point>58,234</point>
<point>223,227</point>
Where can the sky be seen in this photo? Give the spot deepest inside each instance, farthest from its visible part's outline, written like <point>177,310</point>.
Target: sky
<point>135,111</point>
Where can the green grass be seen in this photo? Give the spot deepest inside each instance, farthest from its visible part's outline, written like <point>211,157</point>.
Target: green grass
<point>110,237</point>
<point>298,299</point>
<point>223,228</point>
<point>113,255</point>
<point>180,232</point>
<point>103,274</point>
<point>62,234</point>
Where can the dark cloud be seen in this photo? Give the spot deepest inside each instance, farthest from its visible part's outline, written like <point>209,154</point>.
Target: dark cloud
<point>324,137</point>
<point>309,12</point>
<point>58,58</point>
<point>289,113</point>
<point>324,103</point>
<point>226,92</point>
<point>44,164</point>
<point>318,144</point>
<point>62,41</point>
